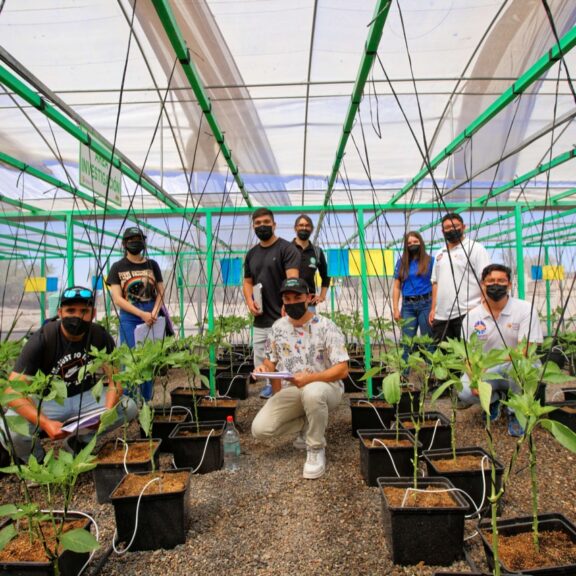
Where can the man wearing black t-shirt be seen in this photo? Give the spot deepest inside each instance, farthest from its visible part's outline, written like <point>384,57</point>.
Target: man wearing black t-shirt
<point>61,348</point>
<point>313,260</point>
<point>268,263</point>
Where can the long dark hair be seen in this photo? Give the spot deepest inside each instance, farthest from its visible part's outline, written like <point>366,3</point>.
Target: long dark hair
<point>423,258</point>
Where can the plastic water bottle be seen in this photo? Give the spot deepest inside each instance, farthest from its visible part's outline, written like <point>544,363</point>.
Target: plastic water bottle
<point>231,443</point>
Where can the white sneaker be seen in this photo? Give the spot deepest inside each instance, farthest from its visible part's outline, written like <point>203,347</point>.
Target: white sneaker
<point>315,465</point>
<point>300,442</point>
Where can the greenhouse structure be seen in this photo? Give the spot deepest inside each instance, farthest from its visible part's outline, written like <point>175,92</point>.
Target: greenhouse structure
<point>374,119</point>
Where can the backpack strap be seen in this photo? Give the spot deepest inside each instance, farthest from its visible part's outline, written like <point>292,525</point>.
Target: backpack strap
<point>49,340</point>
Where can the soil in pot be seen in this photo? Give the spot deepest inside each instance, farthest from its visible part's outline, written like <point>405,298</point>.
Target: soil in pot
<point>395,458</point>
<point>434,431</point>
<point>185,396</point>
<point>162,512</point>
<point>425,525</point>
<point>23,556</point>
<point>565,413</point>
<point>165,420</point>
<point>110,464</point>
<point>557,554</point>
<point>370,414</point>
<point>466,471</point>
<point>216,409</point>
<point>191,446</point>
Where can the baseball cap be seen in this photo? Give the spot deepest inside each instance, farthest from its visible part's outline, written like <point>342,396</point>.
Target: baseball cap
<point>298,285</point>
<point>133,231</point>
<point>77,294</point>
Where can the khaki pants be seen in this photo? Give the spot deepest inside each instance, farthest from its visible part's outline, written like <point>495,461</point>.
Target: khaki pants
<point>293,410</point>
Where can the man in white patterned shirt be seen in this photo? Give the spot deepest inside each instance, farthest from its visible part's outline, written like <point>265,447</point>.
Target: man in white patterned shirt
<point>312,348</point>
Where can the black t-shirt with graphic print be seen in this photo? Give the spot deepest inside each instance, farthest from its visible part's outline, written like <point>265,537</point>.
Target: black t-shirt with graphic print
<point>138,281</point>
<point>62,358</point>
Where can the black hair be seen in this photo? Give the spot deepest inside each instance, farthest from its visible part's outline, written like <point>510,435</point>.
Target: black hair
<point>262,212</point>
<point>304,217</point>
<point>452,216</point>
<point>497,268</point>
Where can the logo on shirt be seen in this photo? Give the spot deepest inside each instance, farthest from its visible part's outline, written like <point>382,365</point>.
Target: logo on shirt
<point>480,328</point>
<point>439,257</point>
<point>312,262</point>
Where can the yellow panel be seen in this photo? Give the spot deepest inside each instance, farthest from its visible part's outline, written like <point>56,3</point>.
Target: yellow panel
<point>378,262</point>
<point>553,272</point>
<point>35,284</point>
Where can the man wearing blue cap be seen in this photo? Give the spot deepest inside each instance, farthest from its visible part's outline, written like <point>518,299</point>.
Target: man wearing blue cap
<point>312,350</point>
<point>61,349</point>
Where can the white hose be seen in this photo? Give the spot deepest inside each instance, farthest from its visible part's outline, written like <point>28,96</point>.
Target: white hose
<point>230,386</point>
<point>389,454</point>
<point>120,552</point>
<point>439,492</point>
<point>375,410</point>
<point>97,535</point>
<point>182,408</point>
<point>434,433</point>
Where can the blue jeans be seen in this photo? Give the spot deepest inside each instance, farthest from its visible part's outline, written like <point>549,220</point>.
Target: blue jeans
<point>128,323</point>
<point>415,314</point>
<point>23,444</point>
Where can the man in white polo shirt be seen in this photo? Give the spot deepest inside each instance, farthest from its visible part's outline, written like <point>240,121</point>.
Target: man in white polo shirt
<point>455,279</point>
<point>500,321</point>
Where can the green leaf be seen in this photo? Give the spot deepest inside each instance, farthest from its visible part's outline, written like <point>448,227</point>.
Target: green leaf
<point>8,509</point>
<point>563,434</point>
<point>391,388</point>
<point>145,418</point>
<point>107,419</point>
<point>370,373</point>
<point>6,534</point>
<point>440,390</point>
<point>79,540</point>
<point>97,389</point>
<point>19,424</point>
<point>485,393</point>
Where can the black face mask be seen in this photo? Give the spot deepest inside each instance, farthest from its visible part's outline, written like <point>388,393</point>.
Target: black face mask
<point>296,311</point>
<point>304,234</point>
<point>496,292</point>
<point>264,232</point>
<point>135,247</point>
<point>453,235</point>
<point>413,249</point>
<point>75,326</point>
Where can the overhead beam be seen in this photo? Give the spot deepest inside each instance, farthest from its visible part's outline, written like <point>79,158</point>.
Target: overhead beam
<point>370,50</point>
<point>566,43</point>
<point>174,34</point>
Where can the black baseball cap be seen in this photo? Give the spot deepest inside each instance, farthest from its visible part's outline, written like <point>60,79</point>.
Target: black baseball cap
<point>133,231</point>
<point>298,285</point>
<point>77,294</point>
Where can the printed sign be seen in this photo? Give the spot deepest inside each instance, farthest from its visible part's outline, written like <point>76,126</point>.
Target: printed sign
<point>95,173</point>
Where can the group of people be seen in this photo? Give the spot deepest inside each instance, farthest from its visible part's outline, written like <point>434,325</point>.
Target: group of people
<point>456,294</point>
<point>452,295</point>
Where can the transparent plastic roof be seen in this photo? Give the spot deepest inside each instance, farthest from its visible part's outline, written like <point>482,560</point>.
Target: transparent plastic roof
<point>280,76</point>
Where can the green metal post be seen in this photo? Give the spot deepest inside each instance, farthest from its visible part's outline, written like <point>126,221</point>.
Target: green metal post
<point>519,252</point>
<point>365,300</point>
<point>106,292</point>
<point>180,285</point>
<point>69,250</point>
<point>42,294</point>
<point>332,300</point>
<point>548,306</point>
<point>210,299</point>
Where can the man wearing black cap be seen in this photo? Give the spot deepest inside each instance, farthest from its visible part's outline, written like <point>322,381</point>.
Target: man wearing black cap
<point>61,348</point>
<point>137,288</point>
<point>312,349</point>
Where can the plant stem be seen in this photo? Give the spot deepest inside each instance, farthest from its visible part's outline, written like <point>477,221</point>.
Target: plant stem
<point>494,498</point>
<point>534,483</point>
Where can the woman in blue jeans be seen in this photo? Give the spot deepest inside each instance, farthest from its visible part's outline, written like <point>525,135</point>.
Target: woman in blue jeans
<point>412,280</point>
<point>137,289</point>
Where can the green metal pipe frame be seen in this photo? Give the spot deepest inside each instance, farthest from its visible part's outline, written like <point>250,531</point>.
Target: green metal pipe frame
<point>370,51</point>
<point>478,202</point>
<point>567,42</point>
<point>365,301</point>
<point>183,54</point>
<point>210,301</point>
<point>80,134</point>
<point>519,253</point>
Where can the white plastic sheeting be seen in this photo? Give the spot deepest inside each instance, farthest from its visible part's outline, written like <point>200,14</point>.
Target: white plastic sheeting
<point>447,61</point>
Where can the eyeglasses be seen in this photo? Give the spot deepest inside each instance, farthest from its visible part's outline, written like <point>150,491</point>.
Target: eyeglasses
<point>83,293</point>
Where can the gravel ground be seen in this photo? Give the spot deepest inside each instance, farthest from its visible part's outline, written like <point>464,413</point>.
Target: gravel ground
<point>267,520</point>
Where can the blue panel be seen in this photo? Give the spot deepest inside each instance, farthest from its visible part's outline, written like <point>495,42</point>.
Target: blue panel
<point>51,284</point>
<point>96,282</point>
<point>231,271</point>
<point>338,264</point>
<point>536,272</point>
